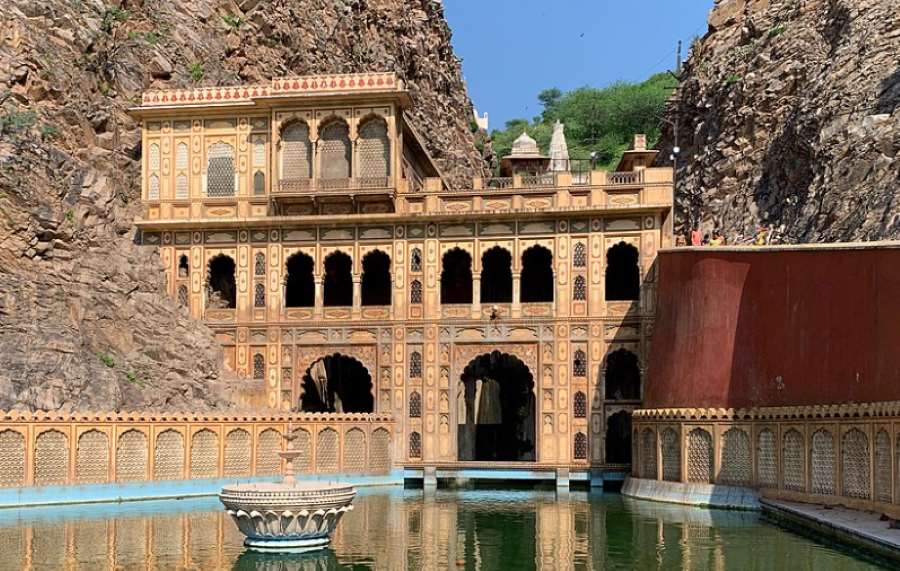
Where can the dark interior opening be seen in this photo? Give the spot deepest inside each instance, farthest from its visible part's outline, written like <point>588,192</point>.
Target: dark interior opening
<point>338,281</point>
<point>618,438</point>
<point>498,390</point>
<point>337,383</point>
<point>456,277</point>
<point>376,279</point>
<point>623,277</point>
<point>222,290</point>
<point>623,376</point>
<point>300,289</point>
<point>496,276</point>
<point>537,275</point>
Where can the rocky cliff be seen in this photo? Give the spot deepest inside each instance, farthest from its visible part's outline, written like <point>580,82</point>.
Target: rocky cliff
<point>84,320</point>
<point>788,117</point>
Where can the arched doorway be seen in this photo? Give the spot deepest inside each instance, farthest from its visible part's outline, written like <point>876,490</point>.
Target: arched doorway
<point>496,276</point>
<point>618,438</point>
<point>376,278</point>
<point>338,280</point>
<point>336,383</point>
<point>537,275</point>
<point>497,410</point>
<point>623,376</point>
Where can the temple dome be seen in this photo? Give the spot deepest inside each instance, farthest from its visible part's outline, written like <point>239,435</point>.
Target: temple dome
<point>525,146</point>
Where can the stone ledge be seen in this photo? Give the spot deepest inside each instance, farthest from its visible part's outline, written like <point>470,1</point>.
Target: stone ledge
<point>800,412</point>
<point>706,495</point>
<point>854,528</point>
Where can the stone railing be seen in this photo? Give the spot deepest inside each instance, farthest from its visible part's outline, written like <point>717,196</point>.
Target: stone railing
<point>841,454</point>
<point>43,449</point>
<point>301,186</point>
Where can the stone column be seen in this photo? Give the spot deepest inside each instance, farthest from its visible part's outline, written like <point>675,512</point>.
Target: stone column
<point>476,295</point>
<point>319,297</point>
<point>517,294</point>
<point>357,296</point>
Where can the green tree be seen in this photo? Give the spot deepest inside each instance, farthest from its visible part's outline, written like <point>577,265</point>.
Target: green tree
<point>598,120</point>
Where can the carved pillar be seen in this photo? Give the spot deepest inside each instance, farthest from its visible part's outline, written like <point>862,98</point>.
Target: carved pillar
<point>320,296</point>
<point>357,296</point>
<point>517,295</point>
<point>476,295</point>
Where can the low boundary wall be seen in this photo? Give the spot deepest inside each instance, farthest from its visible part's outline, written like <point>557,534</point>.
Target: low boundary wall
<point>834,455</point>
<point>51,457</point>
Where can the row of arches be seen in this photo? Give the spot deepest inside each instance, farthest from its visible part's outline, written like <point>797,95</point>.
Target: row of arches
<point>93,455</point>
<point>496,283</point>
<point>853,463</point>
<point>332,158</point>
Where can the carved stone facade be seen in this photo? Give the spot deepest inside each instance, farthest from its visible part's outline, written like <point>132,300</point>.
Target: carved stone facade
<point>841,454</point>
<point>417,344</point>
<point>58,449</point>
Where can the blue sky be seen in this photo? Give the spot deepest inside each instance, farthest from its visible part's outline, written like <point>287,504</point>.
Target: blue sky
<point>513,49</point>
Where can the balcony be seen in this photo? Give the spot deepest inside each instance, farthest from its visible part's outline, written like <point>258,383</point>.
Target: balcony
<point>317,187</point>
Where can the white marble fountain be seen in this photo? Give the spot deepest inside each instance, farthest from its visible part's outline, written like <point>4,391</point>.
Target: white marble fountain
<point>287,515</point>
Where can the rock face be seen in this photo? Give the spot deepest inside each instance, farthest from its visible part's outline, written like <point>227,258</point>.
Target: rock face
<point>788,116</point>
<point>84,320</point>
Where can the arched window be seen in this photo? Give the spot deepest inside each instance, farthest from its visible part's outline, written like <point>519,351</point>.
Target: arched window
<point>456,277</point>
<point>415,405</point>
<point>579,256</point>
<point>580,451</point>
<point>496,276</point>
<point>220,283</point>
<point>183,295</point>
<point>153,157</point>
<point>623,376</point>
<point>181,157</point>
<point>415,292</point>
<point>220,170</point>
<point>338,280</point>
<point>259,366</point>
<point>183,267</point>
<point>259,266</point>
<point>622,274</point>
<point>579,289</point>
<point>537,275</point>
<point>376,278</point>
<point>374,151</point>
<point>259,295</point>
<point>296,152</point>
<point>334,151</point>
<point>153,187</point>
<point>580,405</point>
<point>181,186</point>
<point>415,260</point>
<point>259,183</point>
<point>259,151</point>
<point>579,364</point>
<point>415,445</point>
<point>300,288</point>
<point>415,365</point>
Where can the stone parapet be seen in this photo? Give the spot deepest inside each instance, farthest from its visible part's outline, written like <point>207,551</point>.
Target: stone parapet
<point>828,454</point>
<point>57,449</point>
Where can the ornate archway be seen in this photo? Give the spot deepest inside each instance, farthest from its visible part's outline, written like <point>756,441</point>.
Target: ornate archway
<point>306,356</point>
<point>337,383</point>
<point>496,409</point>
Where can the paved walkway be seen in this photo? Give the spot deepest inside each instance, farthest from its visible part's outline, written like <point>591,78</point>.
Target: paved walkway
<point>856,527</point>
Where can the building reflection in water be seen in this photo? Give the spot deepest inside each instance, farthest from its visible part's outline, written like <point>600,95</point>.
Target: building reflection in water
<point>484,530</point>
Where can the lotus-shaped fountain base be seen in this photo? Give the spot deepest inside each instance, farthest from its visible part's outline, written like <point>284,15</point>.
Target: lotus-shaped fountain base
<point>287,516</point>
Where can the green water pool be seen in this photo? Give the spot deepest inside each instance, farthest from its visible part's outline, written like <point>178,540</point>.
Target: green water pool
<point>392,528</point>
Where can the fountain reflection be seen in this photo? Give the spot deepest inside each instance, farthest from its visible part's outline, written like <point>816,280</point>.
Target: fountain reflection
<point>321,560</point>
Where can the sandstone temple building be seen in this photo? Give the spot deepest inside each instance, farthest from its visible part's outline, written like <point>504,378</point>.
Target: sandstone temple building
<point>306,223</point>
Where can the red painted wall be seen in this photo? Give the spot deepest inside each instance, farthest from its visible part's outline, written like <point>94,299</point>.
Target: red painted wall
<point>743,327</point>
